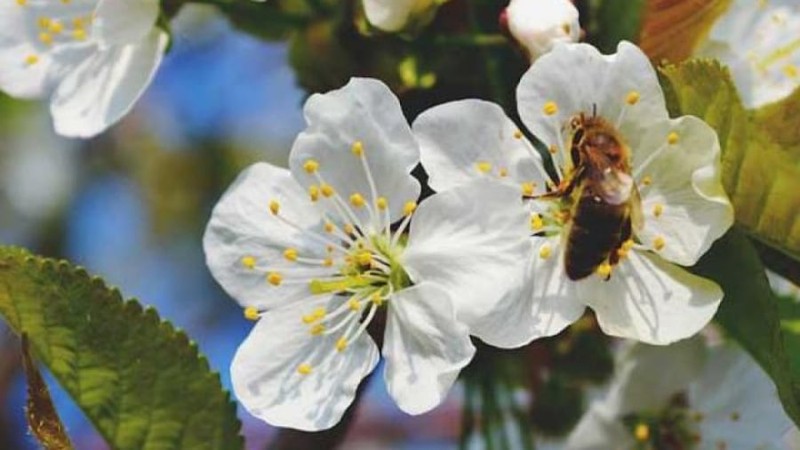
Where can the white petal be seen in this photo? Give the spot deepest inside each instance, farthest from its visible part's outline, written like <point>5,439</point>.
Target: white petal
<point>741,417</point>
<point>120,22</point>
<point>242,226</point>
<point>473,242</point>
<point>456,137</point>
<point>599,429</point>
<point>265,373</point>
<point>577,78</point>
<point>18,41</point>
<point>685,205</point>
<point>651,300</point>
<point>539,25</point>
<point>425,347</point>
<point>104,87</point>
<point>364,111</point>
<point>389,15</point>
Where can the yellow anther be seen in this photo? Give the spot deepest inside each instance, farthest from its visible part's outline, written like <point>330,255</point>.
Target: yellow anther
<point>31,59</point>
<point>249,262</point>
<point>46,38</point>
<point>673,138</point>
<point>357,148</point>
<point>604,270</point>
<point>527,189</point>
<point>22,2</point>
<point>78,22</point>
<point>354,304</point>
<point>304,369</point>
<point>550,108</point>
<point>66,2</point>
<point>409,208</point>
<point>330,248</point>
<point>319,313</point>
<point>376,298</point>
<point>329,227</point>
<point>56,27</point>
<point>632,98</point>
<point>357,200</point>
<point>341,344</point>
<point>79,34</point>
<point>274,207</point>
<point>735,416</point>
<point>349,228</point>
<point>364,258</point>
<point>327,190</point>
<point>791,71</point>
<point>290,254</point>
<point>553,149</point>
<point>313,192</point>
<point>44,22</point>
<point>274,278</point>
<point>658,209</point>
<point>647,180</point>
<point>483,166</point>
<point>536,222</point>
<point>327,262</point>
<point>308,319</point>
<point>545,251</point>
<point>311,166</point>
<point>503,172</point>
<point>382,203</point>
<point>518,134</point>
<point>628,245</point>
<point>318,329</point>
<point>251,313</point>
<point>659,243</point>
<point>642,432</point>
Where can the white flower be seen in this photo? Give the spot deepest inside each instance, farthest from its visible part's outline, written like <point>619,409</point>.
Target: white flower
<point>92,58</point>
<point>310,253</point>
<point>394,15</point>
<point>685,396</point>
<point>759,41</point>
<point>539,24</point>
<point>671,177</point>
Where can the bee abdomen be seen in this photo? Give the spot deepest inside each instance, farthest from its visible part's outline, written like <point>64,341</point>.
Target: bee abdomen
<point>596,232</point>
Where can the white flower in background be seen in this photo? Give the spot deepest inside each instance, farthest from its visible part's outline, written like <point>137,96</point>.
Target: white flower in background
<point>635,194</point>
<point>93,59</point>
<point>760,42</point>
<point>310,254</point>
<point>539,24</point>
<point>394,15</point>
<point>684,396</point>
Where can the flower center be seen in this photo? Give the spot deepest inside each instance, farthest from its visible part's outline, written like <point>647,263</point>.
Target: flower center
<point>61,22</point>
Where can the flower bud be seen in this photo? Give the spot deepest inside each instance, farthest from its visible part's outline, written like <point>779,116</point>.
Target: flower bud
<point>397,15</point>
<point>537,25</point>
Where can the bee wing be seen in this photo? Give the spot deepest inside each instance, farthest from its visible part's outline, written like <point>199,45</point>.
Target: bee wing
<point>615,187</point>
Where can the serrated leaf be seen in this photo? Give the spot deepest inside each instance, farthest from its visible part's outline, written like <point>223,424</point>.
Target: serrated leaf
<point>671,29</point>
<point>759,172</point>
<point>139,380</point>
<point>749,313</point>
<point>43,420</point>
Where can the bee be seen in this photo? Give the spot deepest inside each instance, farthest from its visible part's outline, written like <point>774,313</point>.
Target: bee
<point>604,200</point>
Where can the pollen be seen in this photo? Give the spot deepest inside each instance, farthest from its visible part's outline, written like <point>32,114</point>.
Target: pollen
<point>56,27</point>
<point>31,60</point>
<point>327,190</point>
<point>44,22</point>
<point>484,166</point>
<point>79,34</point>
<point>552,149</point>
<point>377,299</point>
<point>409,208</point>
<point>791,71</point>
<point>382,203</point>
<point>647,181</point>
<point>341,344</point>
<point>327,262</point>
<point>317,329</point>
<point>357,148</point>
<point>313,192</point>
<point>290,254</point>
<point>274,278</point>
<point>527,189</point>
<point>642,432</point>
<point>311,166</point>
<point>550,108</point>
<point>354,304</point>
<point>349,229</point>
<point>518,134</point>
<point>357,200</point>
<point>632,98</point>
<point>249,262</point>
<point>673,138</point>
<point>304,369</point>
<point>658,209</point>
<point>251,313</point>
<point>22,2</point>
<point>545,251</point>
<point>503,172</point>
<point>604,270</point>
<point>328,227</point>
<point>659,243</point>
<point>46,38</point>
<point>274,207</point>
<point>628,245</point>
<point>364,258</point>
<point>536,222</point>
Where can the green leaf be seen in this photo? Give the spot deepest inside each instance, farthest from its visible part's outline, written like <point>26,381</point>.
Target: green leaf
<point>615,21</point>
<point>749,313</point>
<point>140,381</point>
<point>760,162</point>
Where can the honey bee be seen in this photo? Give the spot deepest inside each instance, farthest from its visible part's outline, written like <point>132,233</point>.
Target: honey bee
<point>604,200</point>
